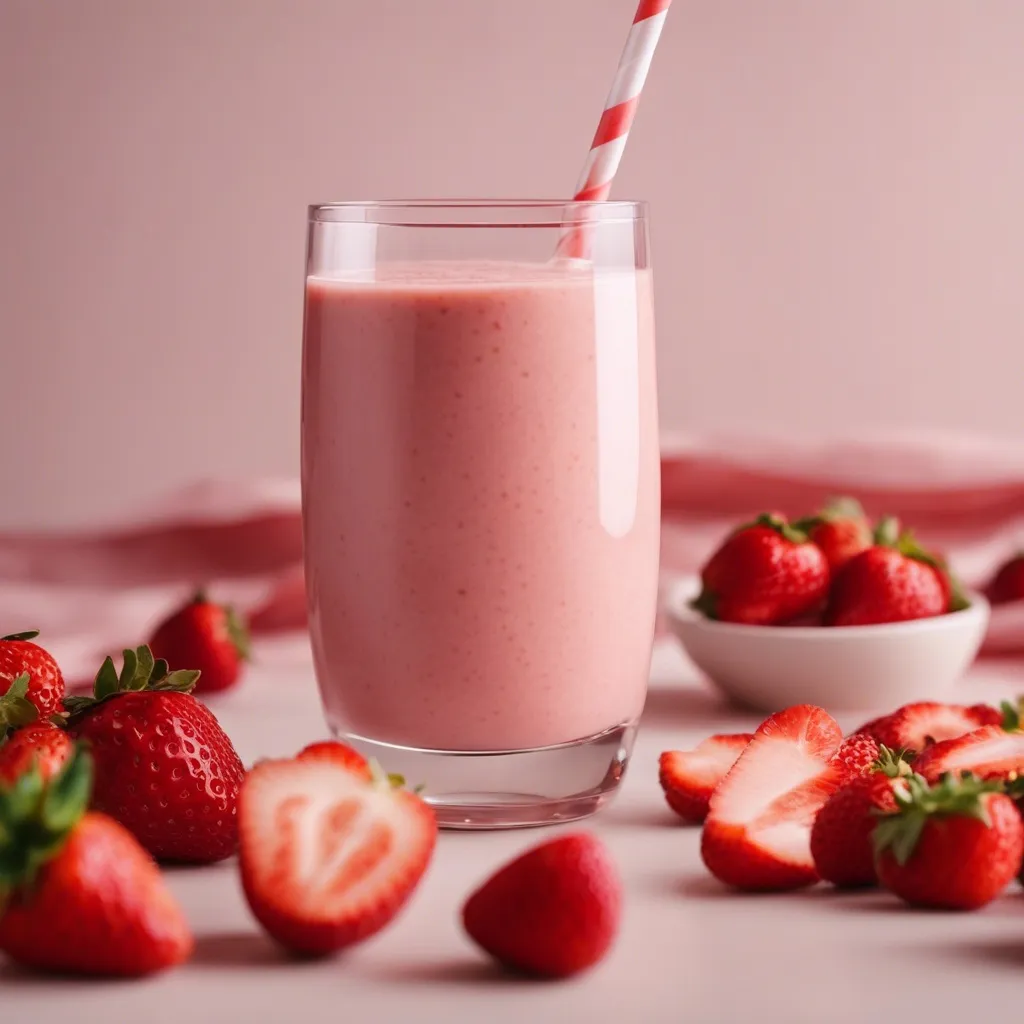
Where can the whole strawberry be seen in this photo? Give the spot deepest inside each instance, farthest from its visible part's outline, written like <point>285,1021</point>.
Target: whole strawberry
<point>764,574</point>
<point>842,830</point>
<point>840,529</point>
<point>955,846</point>
<point>28,676</point>
<point>79,895</point>
<point>857,755</point>
<point>164,767</point>
<point>895,580</point>
<point>1008,583</point>
<point>42,744</point>
<point>205,636</point>
<point>552,912</point>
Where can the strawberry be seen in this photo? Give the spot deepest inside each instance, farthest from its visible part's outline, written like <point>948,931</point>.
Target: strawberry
<point>205,636</point>
<point>914,727</point>
<point>340,753</point>
<point>552,912</point>
<point>840,529</point>
<point>766,573</point>
<point>869,728</point>
<point>1008,583</point>
<point>857,754</point>
<point>841,833</point>
<point>689,777</point>
<point>329,858</point>
<point>758,828</point>
<point>42,744</point>
<point>78,894</point>
<point>164,767</point>
<point>991,752</point>
<point>34,684</point>
<point>895,580</point>
<point>956,845</point>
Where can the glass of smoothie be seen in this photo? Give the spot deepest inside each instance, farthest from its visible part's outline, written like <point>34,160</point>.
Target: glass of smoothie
<point>480,486</point>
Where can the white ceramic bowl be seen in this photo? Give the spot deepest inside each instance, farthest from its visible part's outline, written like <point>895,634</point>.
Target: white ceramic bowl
<point>850,668</point>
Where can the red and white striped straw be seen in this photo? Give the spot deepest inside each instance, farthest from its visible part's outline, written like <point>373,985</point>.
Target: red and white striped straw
<point>619,110</point>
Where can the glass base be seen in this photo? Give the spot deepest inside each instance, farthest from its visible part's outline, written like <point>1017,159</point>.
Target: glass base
<point>511,788</point>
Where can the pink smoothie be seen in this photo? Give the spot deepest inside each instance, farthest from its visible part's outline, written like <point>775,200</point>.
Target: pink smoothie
<point>481,493</point>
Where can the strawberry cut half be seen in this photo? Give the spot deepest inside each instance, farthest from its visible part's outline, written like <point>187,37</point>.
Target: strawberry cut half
<point>917,726</point>
<point>689,777</point>
<point>758,828</point>
<point>328,858</point>
<point>988,753</point>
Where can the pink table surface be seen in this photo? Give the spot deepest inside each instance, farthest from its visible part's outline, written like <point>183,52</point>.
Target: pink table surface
<point>689,952</point>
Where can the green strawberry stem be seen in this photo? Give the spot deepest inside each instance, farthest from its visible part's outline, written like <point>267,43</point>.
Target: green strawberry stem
<point>16,709</point>
<point>387,780</point>
<point>787,530</point>
<point>36,818</point>
<point>29,634</point>
<point>917,801</point>
<point>706,603</point>
<point>833,511</point>
<point>887,532</point>
<point>893,763</point>
<point>238,632</point>
<point>1012,713</point>
<point>139,672</point>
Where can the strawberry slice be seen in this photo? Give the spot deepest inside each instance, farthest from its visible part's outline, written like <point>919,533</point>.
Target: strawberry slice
<point>328,858</point>
<point>914,727</point>
<point>340,753</point>
<point>758,828</point>
<point>689,777</point>
<point>988,753</point>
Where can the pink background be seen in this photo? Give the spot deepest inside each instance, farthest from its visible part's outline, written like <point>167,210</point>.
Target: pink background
<point>839,229</point>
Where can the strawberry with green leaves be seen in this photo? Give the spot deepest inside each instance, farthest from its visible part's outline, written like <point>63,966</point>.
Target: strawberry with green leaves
<point>31,683</point>
<point>894,580</point>
<point>766,573</point>
<point>164,767</point>
<point>955,845</point>
<point>206,636</point>
<point>842,829</point>
<point>78,895</point>
<point>840,529</point>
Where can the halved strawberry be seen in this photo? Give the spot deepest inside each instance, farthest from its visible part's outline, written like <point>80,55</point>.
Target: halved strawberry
<point>328,858</point>
<point>689,777</point>
<point>988,753</point>
<point>758,828</point>
<point>869,728</point>
<point>339,753</point>
<point>917,726</point>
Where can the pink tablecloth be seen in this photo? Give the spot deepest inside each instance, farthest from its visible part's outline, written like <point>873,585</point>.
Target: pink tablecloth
<point>97,590</point>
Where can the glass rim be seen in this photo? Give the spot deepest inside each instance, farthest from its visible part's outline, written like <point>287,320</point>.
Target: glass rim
<point>481,213</point>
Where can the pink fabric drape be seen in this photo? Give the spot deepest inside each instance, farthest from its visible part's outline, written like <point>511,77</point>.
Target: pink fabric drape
<point>96,590</point>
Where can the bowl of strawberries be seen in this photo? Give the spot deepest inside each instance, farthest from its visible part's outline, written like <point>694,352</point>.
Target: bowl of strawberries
<point>831,610</point>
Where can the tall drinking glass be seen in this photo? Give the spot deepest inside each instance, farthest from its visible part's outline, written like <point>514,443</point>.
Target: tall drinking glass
<point>480,485</point>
